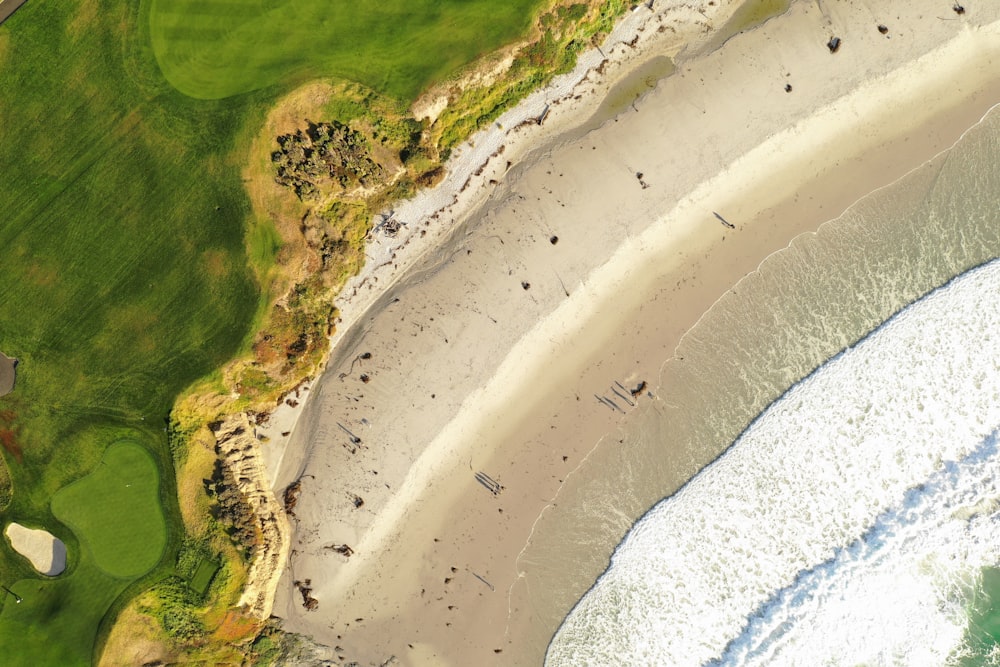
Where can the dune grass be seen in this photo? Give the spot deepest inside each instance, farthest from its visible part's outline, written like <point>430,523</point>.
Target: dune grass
<point>211,49</point>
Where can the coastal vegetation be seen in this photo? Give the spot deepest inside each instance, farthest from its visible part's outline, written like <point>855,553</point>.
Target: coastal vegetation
<point>162,278</point>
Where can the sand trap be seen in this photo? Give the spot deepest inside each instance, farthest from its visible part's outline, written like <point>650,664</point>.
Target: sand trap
<point>8,372</point>
<point>46,552</point>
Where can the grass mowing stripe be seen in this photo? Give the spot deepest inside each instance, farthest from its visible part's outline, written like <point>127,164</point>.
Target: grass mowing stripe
<point>396,46</point>
<point>122,222</point>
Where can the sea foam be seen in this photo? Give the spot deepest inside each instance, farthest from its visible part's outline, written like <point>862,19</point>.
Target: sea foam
<point>847,524</point>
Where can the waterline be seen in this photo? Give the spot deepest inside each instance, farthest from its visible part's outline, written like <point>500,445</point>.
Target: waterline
<point>810,476</point>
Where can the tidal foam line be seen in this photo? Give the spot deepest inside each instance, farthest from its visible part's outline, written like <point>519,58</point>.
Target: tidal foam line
<point>810,477</point>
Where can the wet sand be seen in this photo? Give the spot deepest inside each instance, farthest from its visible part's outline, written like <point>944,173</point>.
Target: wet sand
<point>575,279</point>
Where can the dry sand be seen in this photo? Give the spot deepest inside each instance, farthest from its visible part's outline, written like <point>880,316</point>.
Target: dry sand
<point>8,374</point>
<point>487,356</point>
<point>46,552</point>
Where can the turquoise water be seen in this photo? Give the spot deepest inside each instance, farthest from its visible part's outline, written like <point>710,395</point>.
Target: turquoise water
<point>804,306</point>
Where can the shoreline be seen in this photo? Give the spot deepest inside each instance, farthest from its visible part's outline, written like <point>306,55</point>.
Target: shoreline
<point>481,162</point>
<point>993,110</point>
<point>527,406</point>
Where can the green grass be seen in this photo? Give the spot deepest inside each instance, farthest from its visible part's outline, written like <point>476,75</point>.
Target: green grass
<point>123,246</point>
<point>115,511</point>
<point>202,577</point>
<point>210,49</point>
<point>126,281</point>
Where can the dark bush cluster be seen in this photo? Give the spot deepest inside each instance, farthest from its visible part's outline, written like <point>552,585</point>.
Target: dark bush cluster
<point>325,151</point>
<point>232,508</point>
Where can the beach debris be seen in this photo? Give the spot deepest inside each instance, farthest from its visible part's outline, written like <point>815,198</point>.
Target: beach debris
<point>608,403</point>
<point>341,549</point>
<point>365,378</point>
<point>641,387</point>
<point>525,285</point>
<point>562,284</point>
<point>643,183</point>
<point>553,239</point>
<point>833,44</point>
<point>305,588</point>
<point>291,496</point>
<point>542,116</point>
<point>621,395</point>
<point>788,87</point>
<point>354,439</point>
<point>356,500</point>
<point>958,9</point>
<point>390,225</point>
<point>490,484</point>
<point>492,588</point>
<point>883,28</point>
<point>725,222</point>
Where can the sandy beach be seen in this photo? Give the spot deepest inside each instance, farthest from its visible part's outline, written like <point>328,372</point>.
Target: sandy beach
<point>463,391</point>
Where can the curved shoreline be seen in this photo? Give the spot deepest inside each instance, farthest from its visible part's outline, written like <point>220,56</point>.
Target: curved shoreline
<point>480,164</point>
<point>521,393</point>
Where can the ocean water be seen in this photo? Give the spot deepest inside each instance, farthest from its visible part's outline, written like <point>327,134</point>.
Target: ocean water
<point>842,406</point>
<point>848,525</point>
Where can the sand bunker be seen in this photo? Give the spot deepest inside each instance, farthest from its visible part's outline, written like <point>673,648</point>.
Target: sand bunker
<point>7,373</point>
<point>46,552</point>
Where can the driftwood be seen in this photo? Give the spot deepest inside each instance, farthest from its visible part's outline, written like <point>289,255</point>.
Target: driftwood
<point>291,496</point>
<point>305,588</point>
<point>341,549</point>
<point>725,222</point>
<point>489,483</point>
<point>609,403</point>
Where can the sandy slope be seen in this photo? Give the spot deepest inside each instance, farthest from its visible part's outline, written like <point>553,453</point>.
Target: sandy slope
<point>486,357</point>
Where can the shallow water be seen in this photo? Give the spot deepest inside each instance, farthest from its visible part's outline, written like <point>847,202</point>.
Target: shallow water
<point>804,306</point>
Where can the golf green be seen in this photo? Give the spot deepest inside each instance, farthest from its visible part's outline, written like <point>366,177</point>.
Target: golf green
<point>115,511</point>
<point>212,49</point>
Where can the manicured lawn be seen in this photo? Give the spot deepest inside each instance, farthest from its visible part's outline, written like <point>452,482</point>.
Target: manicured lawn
<point>202,577</point>
<point>115,511</point>
<point>125,271</point>
<point>125,280</point>
<point>211,49</point>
